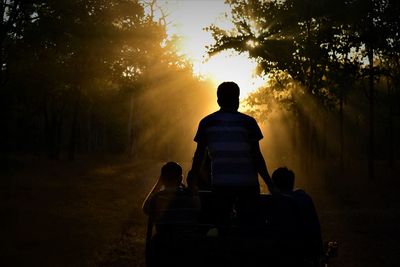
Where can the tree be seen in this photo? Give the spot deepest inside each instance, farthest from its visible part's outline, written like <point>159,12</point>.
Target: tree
<point>79,74</point>
<point>289,36</point>
<point>318,45</point>
<point>390,69</point>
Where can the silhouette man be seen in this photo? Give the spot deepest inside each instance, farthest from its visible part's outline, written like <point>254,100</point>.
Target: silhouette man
<point>231,141</point>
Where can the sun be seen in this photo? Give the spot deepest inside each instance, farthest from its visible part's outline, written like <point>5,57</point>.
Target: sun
<point>188,19</point>
<point>229,66</point>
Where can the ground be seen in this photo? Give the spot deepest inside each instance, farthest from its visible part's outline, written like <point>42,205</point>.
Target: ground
<point>88,213</point>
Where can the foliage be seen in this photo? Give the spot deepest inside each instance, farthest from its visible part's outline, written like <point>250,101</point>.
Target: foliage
<point>316,42</point>
<point>328,49</point>
<point>74,73</point>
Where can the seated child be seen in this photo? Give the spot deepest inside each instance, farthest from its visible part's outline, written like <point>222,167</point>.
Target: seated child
<point>173,210</point>
<point>169,204</point>
<point>283,179</point>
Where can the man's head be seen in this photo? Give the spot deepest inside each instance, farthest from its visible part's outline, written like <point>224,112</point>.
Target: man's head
<point>171,174</point>
<point>228,95</point>
<point>283,178</point>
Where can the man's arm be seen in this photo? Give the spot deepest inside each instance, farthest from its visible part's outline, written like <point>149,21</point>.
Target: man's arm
<point>196,165</point>
<point>146,203</point>
<point>262,167</point>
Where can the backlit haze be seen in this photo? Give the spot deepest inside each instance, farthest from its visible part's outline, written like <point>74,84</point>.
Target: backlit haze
<point>187,19</point>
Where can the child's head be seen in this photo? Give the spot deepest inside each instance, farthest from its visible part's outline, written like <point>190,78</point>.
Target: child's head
<point>171,174</point>
<point>283,178</point>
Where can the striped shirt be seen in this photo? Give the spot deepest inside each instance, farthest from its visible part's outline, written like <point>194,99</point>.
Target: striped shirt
<point>229,137</point>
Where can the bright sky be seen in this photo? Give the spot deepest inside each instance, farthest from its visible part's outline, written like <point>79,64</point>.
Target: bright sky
<point>187,19</point>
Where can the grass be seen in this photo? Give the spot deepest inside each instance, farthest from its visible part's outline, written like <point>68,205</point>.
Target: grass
<point>70,214</point>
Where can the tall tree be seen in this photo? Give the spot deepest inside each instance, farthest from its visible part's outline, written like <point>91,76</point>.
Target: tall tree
<point>390,69</point>
<point>290,36</point>
<point>78,72</point>
<point>319,45</point>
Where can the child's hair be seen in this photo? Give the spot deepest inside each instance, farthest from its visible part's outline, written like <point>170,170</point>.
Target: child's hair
<point>283,178</point>
<point>171,174</point>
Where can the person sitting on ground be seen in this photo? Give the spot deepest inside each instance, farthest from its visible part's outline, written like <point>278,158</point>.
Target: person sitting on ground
<point>283,179</point>
<point>173,210</point>
<point>169,202</point>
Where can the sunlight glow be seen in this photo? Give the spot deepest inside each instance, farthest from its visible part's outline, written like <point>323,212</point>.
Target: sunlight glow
<point>252,43</point>
<point>228,66</point>
<point>188,20</point>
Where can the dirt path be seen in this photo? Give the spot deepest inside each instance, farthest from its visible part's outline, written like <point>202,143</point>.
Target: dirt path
<point>70,214</point>
<point>89,214</point>
<point>363,216</point>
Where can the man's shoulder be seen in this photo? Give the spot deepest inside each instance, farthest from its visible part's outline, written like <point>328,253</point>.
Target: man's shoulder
<point>210,117</point>
<point>163,194</point>
<point>246,117</point>
<point>182,191</point>
<point>301,195</point>
<point>221,115</point>
<point>300,192</point>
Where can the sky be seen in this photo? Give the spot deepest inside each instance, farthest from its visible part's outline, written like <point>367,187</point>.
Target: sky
<point>187,19</point>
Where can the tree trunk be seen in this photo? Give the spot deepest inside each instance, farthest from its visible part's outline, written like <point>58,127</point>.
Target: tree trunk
<point>305,136</point>
<point>341,122</point>
<point>89,132</point>
<point>74,128</point>
<point>391,126</point>
<point>131,130</point>
<point>371,150</point>
<point>52,129</point>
